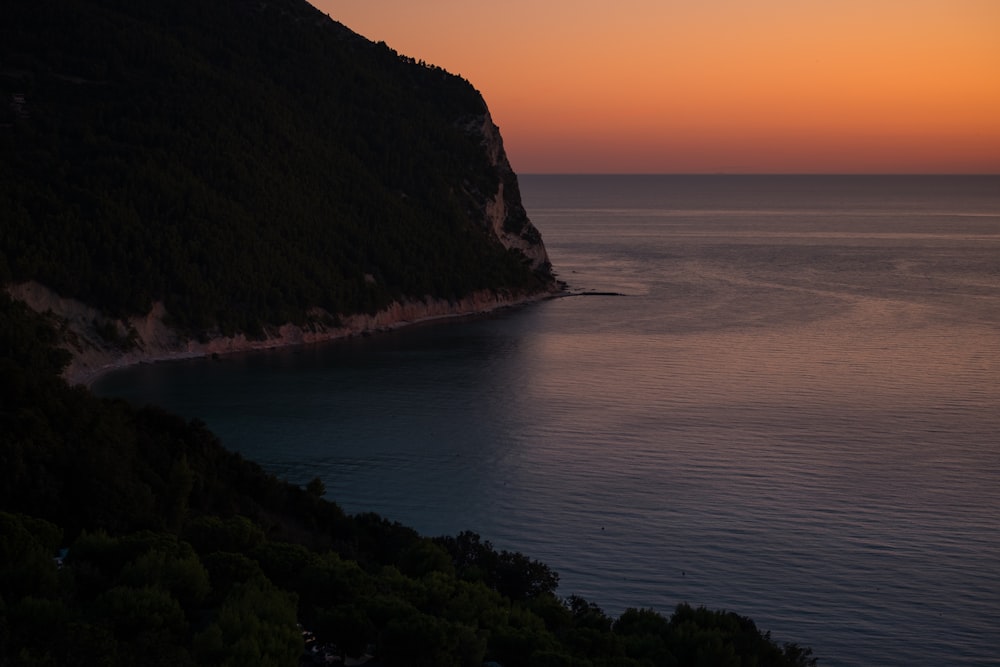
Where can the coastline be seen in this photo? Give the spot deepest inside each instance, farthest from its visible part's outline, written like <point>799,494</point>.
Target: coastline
<point>151,340</point>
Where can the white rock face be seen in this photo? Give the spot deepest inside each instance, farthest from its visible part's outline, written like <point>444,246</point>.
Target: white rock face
<point>504,213</point>
<point>147,338</point>
<point>153,340</point>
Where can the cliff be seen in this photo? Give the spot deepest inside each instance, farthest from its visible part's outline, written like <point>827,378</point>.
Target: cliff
<point>100,344</point>
<point>243,175</point>
<point>506,215</point>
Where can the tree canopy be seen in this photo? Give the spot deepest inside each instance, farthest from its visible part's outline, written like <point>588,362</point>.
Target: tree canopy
<point>243,162</point>
<point>129,535</point>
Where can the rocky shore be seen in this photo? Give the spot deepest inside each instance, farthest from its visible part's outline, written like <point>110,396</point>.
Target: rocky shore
<point>100,344</point>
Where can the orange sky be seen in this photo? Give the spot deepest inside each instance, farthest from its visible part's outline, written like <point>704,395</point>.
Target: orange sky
<point>694,86</point>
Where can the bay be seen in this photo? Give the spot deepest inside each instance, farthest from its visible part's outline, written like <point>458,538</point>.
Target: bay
<point>790,412</point>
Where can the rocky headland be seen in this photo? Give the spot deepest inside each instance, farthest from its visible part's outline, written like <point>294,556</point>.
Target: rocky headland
<point>99,344</point>
<point>208,196</point>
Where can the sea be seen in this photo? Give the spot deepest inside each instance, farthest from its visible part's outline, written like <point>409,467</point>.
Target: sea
<point>774,395</point>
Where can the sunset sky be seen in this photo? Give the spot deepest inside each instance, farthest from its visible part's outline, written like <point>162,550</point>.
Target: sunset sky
<point>736,86</point>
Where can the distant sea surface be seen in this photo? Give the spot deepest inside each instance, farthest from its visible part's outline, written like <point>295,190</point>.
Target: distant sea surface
<point>791,412</point>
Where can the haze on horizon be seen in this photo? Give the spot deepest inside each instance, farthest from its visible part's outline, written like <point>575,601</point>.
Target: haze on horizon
<point>671,86</point>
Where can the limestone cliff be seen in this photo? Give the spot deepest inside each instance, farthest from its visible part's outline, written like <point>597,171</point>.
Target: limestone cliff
<point>264,176</point>
<point>504,212</point>
<point>100,344</point>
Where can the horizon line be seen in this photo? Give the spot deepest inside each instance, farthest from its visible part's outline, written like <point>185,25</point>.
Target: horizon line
<point>753,173</point>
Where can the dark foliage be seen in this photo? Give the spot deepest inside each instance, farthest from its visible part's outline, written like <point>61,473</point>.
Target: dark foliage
<point>510,574</point>
<point>243,162</point>
<point>181,552</point>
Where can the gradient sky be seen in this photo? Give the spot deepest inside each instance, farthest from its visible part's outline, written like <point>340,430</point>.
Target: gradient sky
<point>704,86</point>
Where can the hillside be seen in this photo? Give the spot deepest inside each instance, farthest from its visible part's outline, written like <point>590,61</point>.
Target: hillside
<point>207,170</point>
<point>175,551</point>
<point>245,165</point>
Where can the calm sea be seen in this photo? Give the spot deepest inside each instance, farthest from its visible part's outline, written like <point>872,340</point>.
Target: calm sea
<point>792,411</point>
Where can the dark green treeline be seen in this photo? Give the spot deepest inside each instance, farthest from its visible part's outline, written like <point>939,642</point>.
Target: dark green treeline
<point>179,552</point>
<point>244,162</point>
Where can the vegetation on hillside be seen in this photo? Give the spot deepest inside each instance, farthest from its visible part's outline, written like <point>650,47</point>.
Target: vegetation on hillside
<point>176,551</point>
<point>244,162</point>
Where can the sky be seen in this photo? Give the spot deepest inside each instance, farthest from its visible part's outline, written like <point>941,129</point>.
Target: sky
<point>717,86</point>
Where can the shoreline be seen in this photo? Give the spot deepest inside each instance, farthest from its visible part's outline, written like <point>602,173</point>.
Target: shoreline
<point>93,356</point>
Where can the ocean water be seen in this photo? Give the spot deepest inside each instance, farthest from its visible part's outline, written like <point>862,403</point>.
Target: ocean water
<point>790,409</point>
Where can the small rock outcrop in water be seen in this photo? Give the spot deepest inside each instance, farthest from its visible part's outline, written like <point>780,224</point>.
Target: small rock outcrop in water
<point>192,178</point>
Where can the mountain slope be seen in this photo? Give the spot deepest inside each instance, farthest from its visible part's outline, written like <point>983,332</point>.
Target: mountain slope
<point>246,164</point>
<point>174,551</point>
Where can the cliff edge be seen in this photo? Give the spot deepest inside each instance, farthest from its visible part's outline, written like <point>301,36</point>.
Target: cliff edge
<point>193,178</point>
<point>504,211</point>
<point>100,344</point>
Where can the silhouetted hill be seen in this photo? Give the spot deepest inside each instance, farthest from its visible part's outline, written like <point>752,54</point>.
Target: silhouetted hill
<point>174,551</point>
<point>250,163</point>
<point>245,163</point>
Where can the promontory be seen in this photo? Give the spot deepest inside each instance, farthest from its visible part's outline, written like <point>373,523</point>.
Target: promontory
<point>184,177</point>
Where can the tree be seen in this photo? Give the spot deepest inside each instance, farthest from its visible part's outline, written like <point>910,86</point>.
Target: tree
<point>316,488</point>
<point>27,556</point>
<point>511,574</point>
<point>256,625</point>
